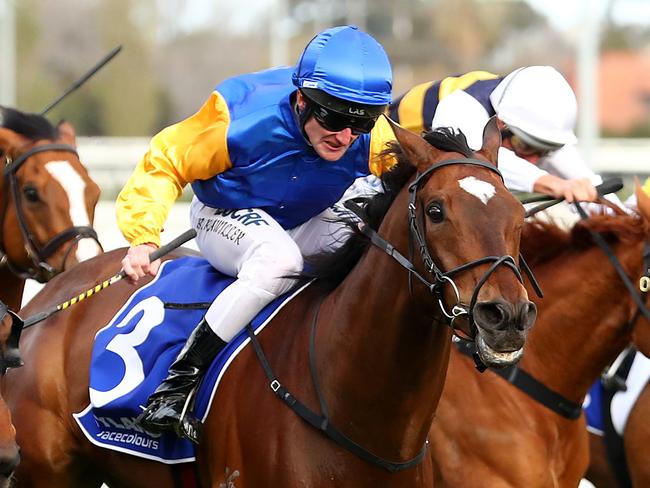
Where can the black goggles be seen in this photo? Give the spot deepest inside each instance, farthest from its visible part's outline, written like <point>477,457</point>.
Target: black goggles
<point>523,148</point>
<point>336,122</point>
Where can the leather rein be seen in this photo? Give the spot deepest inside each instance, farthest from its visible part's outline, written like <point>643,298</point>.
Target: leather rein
<point>41,270</point>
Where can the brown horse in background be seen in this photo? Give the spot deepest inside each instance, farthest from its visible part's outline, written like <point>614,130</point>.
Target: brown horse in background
<point>47,202</point>
<point>637,430</point>
<point>488,433</point>
<point>381,350</point>
<point>636,436</point>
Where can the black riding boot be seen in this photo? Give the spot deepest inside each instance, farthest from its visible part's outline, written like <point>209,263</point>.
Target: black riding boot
<point>165,406</point>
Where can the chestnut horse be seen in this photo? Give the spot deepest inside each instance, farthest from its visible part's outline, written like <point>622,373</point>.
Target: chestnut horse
<point>488,432</point>
<point>381,346</point>
<point>47,202</point>
<point>636,435</point>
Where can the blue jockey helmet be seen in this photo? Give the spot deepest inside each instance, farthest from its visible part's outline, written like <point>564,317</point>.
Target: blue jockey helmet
<point>347,71</point>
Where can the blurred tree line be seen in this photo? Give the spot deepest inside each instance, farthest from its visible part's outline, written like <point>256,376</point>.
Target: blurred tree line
<point>166,71</point>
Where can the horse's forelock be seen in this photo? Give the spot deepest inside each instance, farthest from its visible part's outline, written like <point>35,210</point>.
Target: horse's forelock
<point>449,140</point>
<point>33,126</point>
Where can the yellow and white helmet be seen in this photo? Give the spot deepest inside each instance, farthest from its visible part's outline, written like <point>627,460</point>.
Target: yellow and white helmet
<point>538,105</point>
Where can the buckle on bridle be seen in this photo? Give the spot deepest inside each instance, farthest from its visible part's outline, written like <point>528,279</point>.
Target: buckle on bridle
<point>644,284</point>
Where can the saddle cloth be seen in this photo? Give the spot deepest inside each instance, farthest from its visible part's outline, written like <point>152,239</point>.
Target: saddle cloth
<point>603,406</point>
<point>131,356</point>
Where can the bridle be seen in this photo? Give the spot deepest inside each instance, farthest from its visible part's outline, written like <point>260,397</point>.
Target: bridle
<point>441,278</point>
<point>41,270</point>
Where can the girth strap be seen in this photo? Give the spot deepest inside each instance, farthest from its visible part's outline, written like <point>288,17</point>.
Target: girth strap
<point>321,422</point>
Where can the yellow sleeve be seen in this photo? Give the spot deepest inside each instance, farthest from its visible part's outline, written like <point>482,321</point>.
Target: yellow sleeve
<point>193,149</point>
<point>646,186</point>
<point>381,135</point>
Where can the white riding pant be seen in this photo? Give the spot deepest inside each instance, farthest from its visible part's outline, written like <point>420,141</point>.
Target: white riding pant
<point>250,245</point>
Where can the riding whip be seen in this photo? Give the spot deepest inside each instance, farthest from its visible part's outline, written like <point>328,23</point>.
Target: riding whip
<point>84,78</point>
<point>157,254</point>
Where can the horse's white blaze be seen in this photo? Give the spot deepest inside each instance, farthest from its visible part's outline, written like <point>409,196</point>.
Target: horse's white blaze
<point>480,189</point>
<point>74,186</point>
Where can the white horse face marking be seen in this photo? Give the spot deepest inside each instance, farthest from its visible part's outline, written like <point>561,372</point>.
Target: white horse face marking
<point>482,190</point>
<point>74,186</point>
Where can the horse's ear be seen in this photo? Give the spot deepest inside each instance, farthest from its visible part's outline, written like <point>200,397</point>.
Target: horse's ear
<point>418,151</point>
<point>642,200</point>
<point>491,140</point>
<point>67,133</point>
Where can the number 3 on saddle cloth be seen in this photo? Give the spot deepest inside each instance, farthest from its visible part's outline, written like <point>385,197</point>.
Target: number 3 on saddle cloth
<point>132,353</point>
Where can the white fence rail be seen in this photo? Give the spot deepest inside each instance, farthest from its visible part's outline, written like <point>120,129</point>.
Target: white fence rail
<point>111,160</point>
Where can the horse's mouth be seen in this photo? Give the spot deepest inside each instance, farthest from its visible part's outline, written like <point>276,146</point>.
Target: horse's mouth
<point>494,358</point>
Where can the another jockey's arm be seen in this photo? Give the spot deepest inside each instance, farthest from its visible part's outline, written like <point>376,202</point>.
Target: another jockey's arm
<point>578,189</point>
<point>459,110</point>
<point>521,175</point>
<point>568,164</point>
<point>193,149</point>
<point>518,174</point>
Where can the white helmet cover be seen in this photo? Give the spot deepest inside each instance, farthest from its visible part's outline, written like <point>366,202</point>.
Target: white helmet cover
<point>537,101</point>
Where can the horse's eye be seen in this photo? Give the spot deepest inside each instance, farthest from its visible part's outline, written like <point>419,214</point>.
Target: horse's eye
<point>31,193</point>
<point>435,213</point>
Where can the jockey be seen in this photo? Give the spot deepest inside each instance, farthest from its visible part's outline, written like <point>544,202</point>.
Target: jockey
<point>536,112</point>
<point>267,154</point>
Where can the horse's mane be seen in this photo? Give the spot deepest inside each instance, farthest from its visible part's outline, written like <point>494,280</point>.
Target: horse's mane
<point>333,266</point>
<point>543,241</point>
<point>33,126</point>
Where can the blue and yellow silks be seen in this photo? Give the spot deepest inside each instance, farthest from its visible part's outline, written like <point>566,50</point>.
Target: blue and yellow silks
<point>243,149</point>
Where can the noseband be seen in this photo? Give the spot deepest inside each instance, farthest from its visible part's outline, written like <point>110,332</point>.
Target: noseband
<point>440,278</point>
<point>41,271</point>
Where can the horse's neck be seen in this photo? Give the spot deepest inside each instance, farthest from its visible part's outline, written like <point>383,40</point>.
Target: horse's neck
<point>11,291</point>
<point>382,357</point>
<point>583,322</point>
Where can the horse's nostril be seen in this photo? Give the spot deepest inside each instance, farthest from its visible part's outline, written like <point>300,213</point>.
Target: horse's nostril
<point>493,315</point>
<point>8,463</point>
<point>528,316</point>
